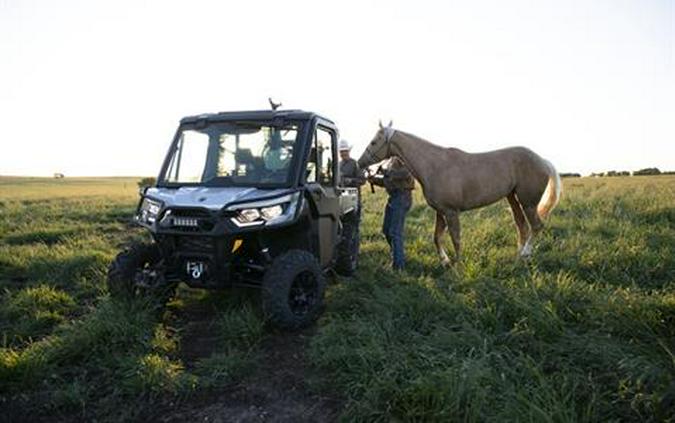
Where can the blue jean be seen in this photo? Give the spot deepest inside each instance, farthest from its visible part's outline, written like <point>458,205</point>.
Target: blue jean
<point>398,205</point>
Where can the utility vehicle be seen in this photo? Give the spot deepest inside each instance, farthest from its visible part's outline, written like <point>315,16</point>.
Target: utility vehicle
<point>246,199</point>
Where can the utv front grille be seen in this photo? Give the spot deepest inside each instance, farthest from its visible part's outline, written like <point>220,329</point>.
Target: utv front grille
<point>188,220</point>
<point>195,244</point>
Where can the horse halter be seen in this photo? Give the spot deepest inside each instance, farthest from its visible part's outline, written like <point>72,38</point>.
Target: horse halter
<point>388,133</point>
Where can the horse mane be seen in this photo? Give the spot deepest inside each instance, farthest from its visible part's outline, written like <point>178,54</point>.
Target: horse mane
<point>421,140</point>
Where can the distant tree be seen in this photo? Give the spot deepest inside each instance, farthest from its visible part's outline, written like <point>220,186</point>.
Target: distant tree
<point>612,173</point>
<point>647,171</point>
<point>147,182</point>
<point>617,173</point>
<point>570,175</point>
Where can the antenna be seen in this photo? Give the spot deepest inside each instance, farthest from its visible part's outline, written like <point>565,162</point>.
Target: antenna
<point>273,104</point>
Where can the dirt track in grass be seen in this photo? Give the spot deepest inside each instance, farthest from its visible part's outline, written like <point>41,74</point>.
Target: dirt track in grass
<point>276,390</point>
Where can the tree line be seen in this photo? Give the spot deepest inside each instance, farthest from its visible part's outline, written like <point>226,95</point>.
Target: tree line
<point>641,172</point>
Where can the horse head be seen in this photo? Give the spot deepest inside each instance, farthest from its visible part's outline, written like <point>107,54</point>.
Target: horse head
<point>379,148</point>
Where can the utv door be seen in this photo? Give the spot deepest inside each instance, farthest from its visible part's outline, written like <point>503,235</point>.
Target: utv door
<point>323,193</point>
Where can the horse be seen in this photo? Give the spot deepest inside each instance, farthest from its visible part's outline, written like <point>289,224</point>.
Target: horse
<point>454,181</point>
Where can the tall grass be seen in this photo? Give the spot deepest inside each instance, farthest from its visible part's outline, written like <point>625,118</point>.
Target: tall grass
<point>584,331</point>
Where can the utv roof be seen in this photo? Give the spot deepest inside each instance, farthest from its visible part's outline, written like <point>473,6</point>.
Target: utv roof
<point>254,115</point>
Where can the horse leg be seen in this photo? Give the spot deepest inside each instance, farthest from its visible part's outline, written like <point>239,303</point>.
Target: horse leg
<point>536,226</point>
<point>438,238</point>
<point>521,223</point>
<point>452,220</point>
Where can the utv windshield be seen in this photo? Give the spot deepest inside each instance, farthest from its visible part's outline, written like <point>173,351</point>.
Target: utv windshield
<point>232,153</point>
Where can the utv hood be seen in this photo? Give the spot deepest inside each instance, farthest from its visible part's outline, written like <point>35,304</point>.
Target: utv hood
<point>212,198</point>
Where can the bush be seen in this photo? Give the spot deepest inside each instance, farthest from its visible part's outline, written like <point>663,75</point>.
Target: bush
<point>647,171</point>
<point>618,173</point>
<point>147,182</point>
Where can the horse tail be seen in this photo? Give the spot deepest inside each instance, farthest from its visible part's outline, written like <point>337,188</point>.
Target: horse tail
<point>551,195</point>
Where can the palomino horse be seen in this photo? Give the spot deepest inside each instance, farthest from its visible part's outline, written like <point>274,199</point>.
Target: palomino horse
<point>453,181</point>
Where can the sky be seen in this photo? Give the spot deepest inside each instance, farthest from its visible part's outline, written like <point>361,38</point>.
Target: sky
<point>96,88</point>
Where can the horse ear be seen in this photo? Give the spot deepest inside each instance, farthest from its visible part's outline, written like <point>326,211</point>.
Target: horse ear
<point>391,122</point>
<point>380,123</point>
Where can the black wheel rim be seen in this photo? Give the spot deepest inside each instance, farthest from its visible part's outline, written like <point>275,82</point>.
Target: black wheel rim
<point>147,278</point>
<point>302,296</point>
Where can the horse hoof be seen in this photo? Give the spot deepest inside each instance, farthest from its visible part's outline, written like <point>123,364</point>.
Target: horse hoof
<point>526,251</point>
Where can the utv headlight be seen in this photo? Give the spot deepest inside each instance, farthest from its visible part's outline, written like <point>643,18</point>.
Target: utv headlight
<point>247,216</point>
<point>149,210</point>
<point>267,212</point>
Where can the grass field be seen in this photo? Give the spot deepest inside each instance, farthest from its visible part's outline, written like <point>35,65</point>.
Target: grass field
<point>584,331</point>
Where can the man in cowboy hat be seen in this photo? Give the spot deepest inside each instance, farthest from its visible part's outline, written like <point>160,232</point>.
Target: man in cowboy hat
<point>351,175</point>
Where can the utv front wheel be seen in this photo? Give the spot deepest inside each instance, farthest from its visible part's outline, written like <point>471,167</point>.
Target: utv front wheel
<point>135,273</point>
<point>292,290</point>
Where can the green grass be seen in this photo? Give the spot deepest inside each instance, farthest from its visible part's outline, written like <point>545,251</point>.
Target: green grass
<point>584,331</point>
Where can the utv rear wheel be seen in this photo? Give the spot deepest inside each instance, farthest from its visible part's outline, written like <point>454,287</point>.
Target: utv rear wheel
<point>293,289</point>
<point>136,273</point>
<point>348,248</point>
